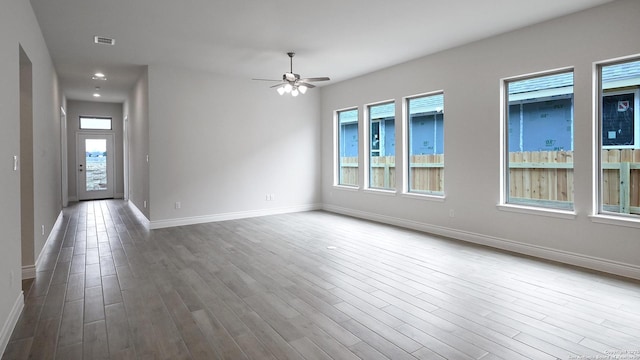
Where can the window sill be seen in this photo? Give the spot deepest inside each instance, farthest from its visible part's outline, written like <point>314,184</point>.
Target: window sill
<point>615,220</point>
<point>562,214</point>
<point>346,187</point>
<point>429,197</point>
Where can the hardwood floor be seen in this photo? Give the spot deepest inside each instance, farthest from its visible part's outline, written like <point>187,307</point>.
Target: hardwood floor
<point>270,288</point>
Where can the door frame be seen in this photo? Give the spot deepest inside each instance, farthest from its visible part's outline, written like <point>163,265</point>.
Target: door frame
<point>110,164</point>
<point>125,158</point>
<point>64,157</point>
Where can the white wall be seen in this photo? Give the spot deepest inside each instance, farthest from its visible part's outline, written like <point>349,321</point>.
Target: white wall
<point>75,109</point>
<point>218,145</point>
<point>470,77</point>
<point>136,111</point>
<point>18,25</point>
<point>47,155</point>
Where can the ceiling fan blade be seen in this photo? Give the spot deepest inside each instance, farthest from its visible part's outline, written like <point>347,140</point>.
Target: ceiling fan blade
<point>292,81</point>
<point>315,79</point>
<point>310,86</point>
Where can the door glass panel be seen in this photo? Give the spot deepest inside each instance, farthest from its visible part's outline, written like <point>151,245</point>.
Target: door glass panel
<point>96,160</point>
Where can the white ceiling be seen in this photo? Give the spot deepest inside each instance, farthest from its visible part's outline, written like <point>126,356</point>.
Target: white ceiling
<point>249,38</point>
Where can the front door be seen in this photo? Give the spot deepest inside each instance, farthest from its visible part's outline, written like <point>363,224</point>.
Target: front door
<point>95,166</point>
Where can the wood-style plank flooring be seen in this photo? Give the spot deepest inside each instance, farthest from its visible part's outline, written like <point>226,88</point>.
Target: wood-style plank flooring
<point>271,288</point>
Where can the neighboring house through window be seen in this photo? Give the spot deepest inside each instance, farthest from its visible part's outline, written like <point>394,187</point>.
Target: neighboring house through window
<point>425,138</point>
<point>619,134</point>
<point>348,147</point>
<point>382,146</point>
<point>539,141</point>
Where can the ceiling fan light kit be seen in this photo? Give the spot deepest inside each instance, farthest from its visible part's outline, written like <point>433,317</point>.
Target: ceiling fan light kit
<point>291,83</point>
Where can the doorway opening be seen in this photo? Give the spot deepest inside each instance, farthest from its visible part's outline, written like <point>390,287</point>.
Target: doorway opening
<point>95,172</point>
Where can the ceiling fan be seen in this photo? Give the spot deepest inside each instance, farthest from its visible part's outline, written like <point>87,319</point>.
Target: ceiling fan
<point>292,83</point>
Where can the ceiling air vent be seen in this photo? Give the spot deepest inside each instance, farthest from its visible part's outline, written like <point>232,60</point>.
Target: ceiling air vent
<point>103,40</point>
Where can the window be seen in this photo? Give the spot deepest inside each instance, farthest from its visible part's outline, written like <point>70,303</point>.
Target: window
<point>95,123</point>
<point>382,146</point>
<point>348,147</point>
<point>539,141</point>
<point>619,134</point>
<point>425,140</point>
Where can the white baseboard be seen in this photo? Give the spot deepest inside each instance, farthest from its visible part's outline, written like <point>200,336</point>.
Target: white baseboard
<point>115,196</point>
<point>585,261</point>
<point>158,224</point>
<point>141,217</point>
<point>10,324</point>
<point>29,271</point>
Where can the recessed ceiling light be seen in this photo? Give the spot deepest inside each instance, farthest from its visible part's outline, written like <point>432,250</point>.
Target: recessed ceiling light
<point>96,95</point>
<point>99,76</point>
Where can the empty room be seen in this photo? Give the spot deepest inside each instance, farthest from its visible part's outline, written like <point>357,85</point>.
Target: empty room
<point>320,180</point>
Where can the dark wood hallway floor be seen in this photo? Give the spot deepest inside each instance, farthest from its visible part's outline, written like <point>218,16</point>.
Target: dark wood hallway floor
<point>275,288</point>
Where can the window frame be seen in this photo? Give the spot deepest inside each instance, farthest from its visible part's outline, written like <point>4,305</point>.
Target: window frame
<point>600,215</point>
<point>337,143</point>
<point>368,143</point>
<point>505,180</point>
<point>110,118</point>
<point>406,146</point>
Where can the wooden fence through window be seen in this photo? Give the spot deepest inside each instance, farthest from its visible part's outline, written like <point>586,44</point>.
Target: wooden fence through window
<point>621,180</point>
<point>543,177</point>
<point>348,171</point>
<point>427,173</point>
<point>540,177</point>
